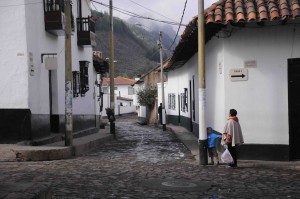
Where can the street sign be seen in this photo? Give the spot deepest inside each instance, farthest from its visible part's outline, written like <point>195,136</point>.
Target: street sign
<point>239,74</point>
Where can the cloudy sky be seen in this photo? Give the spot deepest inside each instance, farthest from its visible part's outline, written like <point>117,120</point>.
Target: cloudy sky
<point>167,10</point>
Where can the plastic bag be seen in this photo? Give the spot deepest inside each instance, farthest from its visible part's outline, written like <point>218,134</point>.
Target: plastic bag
<point>226,157</point>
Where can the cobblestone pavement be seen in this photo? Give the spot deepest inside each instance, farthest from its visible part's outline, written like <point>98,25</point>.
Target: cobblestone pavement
<point>146,162</point>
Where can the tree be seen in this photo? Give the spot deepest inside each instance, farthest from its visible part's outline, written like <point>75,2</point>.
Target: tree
<point>146,97</point>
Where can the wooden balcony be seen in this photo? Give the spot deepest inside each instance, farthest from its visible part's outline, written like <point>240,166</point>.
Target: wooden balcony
<point>86,35</point>
<point>54,16</point>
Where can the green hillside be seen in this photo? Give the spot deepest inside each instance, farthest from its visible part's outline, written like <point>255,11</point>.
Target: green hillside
<point>136,49</point>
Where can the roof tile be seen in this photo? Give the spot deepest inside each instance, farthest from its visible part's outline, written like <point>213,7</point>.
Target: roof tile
<point>242,11</point>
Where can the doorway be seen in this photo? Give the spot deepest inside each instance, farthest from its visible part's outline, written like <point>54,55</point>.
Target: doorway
<point>294,107</point>
<point>54,118</point>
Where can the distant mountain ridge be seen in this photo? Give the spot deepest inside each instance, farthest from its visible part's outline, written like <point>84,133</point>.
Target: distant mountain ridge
<point>136,49</point>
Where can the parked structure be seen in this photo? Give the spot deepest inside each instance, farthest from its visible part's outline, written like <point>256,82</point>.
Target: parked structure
<point>124,93</point>
<point>32,101</point>
<point>252,56</point>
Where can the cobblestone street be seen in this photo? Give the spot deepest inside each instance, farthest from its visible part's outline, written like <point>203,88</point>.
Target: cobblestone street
<point>146,162</point>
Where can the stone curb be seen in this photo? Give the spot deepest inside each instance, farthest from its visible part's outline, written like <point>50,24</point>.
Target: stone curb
<point>54,151</point>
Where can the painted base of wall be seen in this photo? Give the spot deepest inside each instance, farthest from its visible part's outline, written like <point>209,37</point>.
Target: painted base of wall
<point>274,152</point>
<point>20,124</point>
<point>180,121</point>
<point>15,124</point>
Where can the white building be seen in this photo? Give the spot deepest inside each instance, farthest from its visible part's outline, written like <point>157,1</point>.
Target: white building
<point>123,92</point>
<point>252,64</point>
<point>32,52</point>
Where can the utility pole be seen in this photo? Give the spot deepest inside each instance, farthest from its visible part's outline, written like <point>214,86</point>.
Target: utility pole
<point>111,68</point>
<point>68,77</point>
<point>202,92</point>
<point>162,82</point>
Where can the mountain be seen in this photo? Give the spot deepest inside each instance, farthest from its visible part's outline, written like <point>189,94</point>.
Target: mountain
<point>154,28</point>
<point>136,49</point>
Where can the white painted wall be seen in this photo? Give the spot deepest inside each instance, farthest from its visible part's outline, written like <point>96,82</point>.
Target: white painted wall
<point>123,91</point>
<point>39,41</point>
<point>262,101</point>
<point>13,56</point>
<point>127,107</point>
<point>178,80</point>
<point>215,88</point>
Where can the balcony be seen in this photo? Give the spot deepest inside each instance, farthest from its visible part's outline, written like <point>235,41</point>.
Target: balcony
<point>86,32</point>
<point>54,16</point>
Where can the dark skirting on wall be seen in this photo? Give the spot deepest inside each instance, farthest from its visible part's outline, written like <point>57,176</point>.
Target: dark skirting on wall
<point>15,124</point>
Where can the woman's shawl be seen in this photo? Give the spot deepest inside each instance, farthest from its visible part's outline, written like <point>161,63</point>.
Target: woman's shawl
<point>233,128</point>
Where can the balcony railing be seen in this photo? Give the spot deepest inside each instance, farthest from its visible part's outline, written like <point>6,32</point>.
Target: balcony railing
<point>54,16</point>
<point>86,32</point>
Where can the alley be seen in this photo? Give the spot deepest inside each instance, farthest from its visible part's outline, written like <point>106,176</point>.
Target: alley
<point>146,162</point>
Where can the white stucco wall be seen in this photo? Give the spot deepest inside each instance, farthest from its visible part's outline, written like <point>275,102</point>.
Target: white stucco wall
<point>178,80</point>
<point>262,101</point>
<point>123,91</point>
<point>215,88</point>
<point>266,91</point>
<point>39,41</point>
<point>13,56</point>
<point>127,107</point>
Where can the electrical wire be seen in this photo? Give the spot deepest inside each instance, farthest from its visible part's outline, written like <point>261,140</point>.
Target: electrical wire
<point>126,12</point>
<point>151,10</point>
<point>179,25</point>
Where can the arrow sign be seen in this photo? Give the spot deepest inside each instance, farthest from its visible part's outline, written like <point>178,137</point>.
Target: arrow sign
<point>242,75</point>
<point>239,74</point>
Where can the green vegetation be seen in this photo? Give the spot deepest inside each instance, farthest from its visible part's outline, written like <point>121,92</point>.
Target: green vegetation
<point>136,50</point>
<point>146,97</point>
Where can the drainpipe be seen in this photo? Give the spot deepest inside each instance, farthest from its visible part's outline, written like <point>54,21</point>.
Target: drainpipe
<point>202,92</point>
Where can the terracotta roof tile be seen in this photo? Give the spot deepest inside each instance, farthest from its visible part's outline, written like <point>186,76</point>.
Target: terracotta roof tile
<point>243,11</point>
<point>235,12</point>
<point>119,81</point>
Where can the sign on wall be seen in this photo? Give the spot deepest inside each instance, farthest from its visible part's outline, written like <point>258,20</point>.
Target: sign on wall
<point>238,74</point>
<point>30,63</point>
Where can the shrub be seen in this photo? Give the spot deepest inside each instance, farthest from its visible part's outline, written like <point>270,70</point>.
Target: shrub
<point>146,96</point>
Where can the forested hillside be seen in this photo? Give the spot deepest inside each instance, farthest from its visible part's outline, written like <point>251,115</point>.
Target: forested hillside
<point>136,49</point>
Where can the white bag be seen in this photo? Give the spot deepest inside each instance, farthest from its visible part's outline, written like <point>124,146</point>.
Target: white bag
<point>226,157</point>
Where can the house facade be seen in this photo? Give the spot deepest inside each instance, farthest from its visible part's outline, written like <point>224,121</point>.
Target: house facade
<point>151,79</point>
<point>252,64</point>
<point>32,102</point>
<point>123,92</point>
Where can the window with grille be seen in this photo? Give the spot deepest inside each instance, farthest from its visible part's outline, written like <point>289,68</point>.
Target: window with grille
<point>184,100</point>
<point>76,83</point>
<point>130,90</point>
<point>84,77</point>
<point>171,101</point>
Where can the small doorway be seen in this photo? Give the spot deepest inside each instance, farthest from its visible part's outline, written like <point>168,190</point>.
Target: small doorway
<point>294,107</point>
<point>54,118</point>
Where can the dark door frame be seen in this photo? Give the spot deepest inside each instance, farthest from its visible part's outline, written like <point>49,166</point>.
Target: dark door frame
<point>294,134</point>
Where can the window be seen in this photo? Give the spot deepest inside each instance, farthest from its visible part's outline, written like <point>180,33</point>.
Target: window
<point>105,90</point>
<point>76,83</point>
<point>184,100</point>
<point>84,77</point>
<point>171,101</point>
<point>130,90</point>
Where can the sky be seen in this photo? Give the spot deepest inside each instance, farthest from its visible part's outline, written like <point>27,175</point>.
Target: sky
<point>167,10</point>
